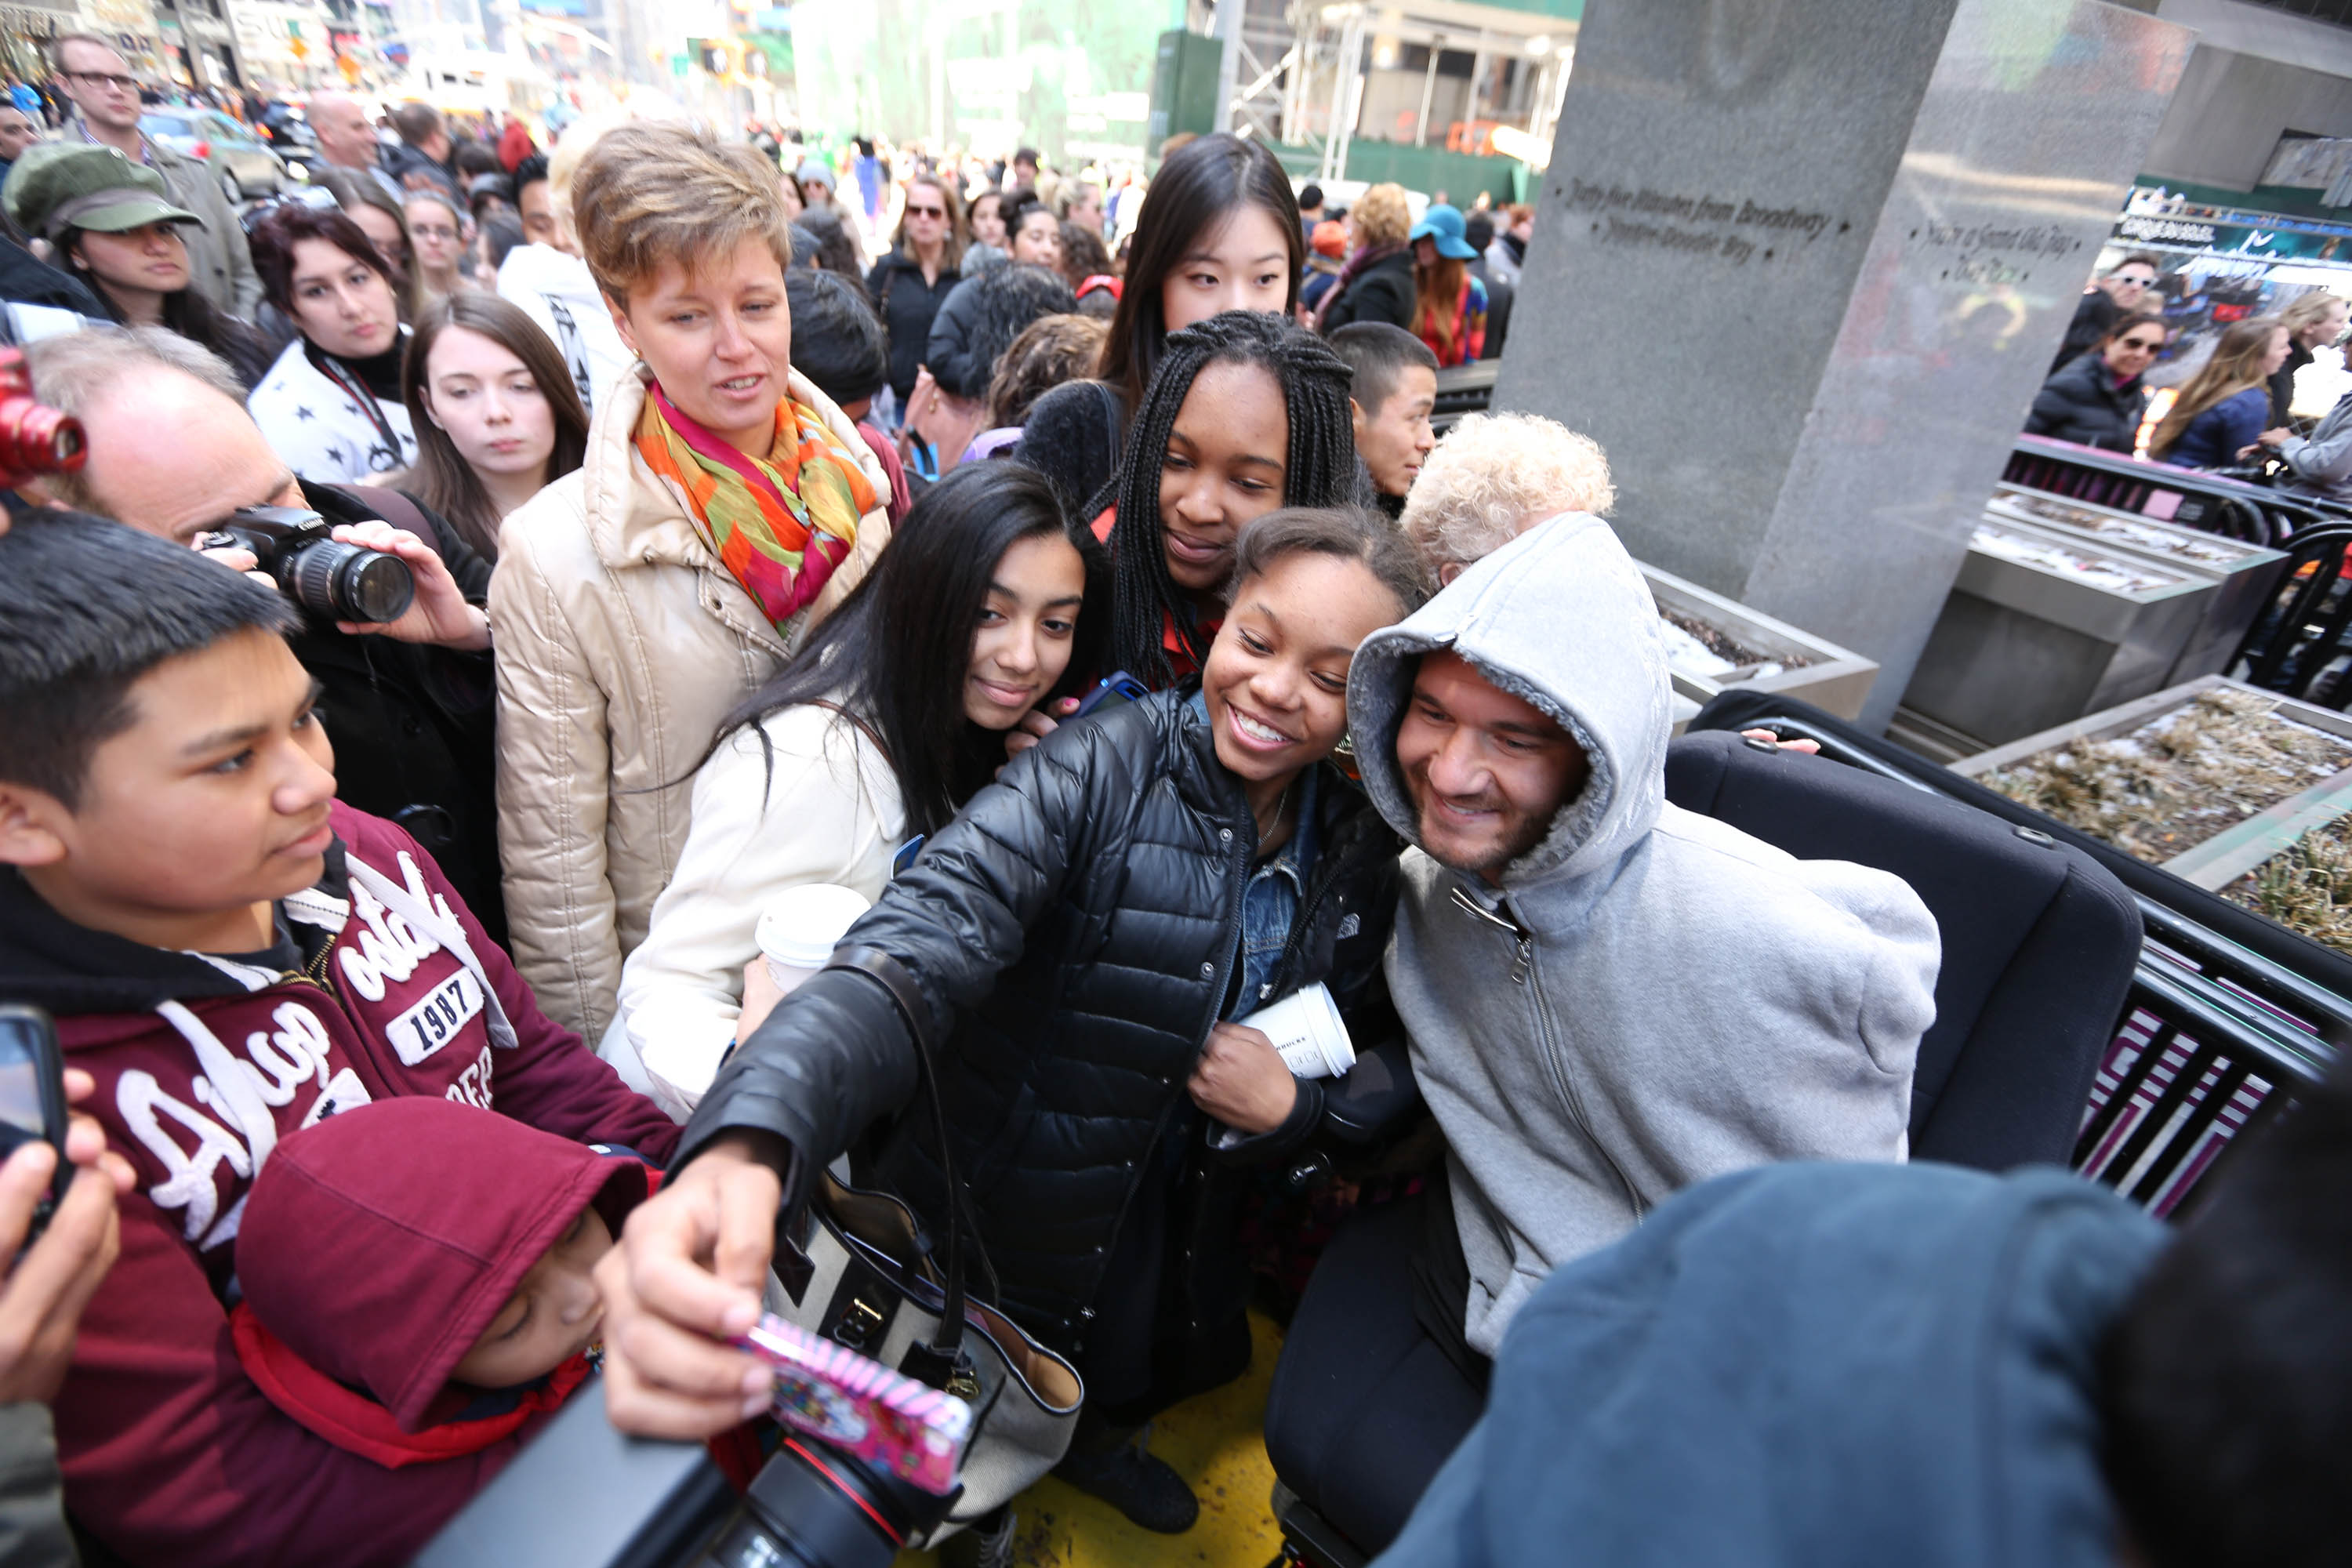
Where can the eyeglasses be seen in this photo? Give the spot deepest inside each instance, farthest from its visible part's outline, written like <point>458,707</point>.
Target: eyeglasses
<point>2140,345</point>
<point>913,211</point>
<point>103,79</point>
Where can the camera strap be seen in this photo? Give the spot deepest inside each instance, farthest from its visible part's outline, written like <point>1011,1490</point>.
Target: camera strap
<point>351,386</point>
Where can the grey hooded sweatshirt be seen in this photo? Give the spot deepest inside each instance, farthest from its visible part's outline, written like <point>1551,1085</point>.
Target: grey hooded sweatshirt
<point>1649,998</point>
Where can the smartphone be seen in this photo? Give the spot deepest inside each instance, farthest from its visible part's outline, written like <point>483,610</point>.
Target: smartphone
<point>1110,691</point>
<point>909,1429</point>
<point>32,1095</point>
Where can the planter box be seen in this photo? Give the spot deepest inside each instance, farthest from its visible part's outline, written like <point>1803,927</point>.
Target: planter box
<point>2237,849</point>
<point>1835,680</point>
<point>2042,627</point>
<point>2245,574</point>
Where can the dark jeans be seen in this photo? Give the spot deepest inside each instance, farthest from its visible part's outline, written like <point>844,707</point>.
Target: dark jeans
<point>1376,1384</point>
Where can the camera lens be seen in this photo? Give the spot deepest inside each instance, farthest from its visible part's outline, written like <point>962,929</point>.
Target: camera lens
<point>815,1507</point>
<point>341,582</point>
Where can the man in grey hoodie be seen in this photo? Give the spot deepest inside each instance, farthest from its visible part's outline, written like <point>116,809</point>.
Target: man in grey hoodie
<point>1608,998</point>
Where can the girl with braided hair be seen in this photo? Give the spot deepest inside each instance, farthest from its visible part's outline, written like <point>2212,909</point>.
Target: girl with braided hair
<point>1247,414</point>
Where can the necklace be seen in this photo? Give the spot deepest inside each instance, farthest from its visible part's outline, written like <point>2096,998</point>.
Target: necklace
<point>1267,830</point>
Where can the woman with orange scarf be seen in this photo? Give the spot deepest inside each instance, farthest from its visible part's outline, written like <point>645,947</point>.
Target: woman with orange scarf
<point>725,506</point>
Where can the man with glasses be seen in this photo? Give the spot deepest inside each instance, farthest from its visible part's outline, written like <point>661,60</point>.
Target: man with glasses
<point>99,83</point>
<point>2123,290</point>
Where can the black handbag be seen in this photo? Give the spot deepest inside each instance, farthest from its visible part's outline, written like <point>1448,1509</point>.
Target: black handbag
<point>855,1267</point>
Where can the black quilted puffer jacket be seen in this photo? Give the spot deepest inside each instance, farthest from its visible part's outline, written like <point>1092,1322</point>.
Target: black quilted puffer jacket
<point>1074,933</point>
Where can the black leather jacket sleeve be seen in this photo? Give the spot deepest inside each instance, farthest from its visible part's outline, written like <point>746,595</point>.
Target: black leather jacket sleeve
<point>834,1055</point>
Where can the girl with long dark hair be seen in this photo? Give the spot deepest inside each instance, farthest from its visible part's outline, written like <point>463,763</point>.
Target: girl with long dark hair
<point>332,404</point>
<point>1219,231</point>
<point>891,717</point>
<point>1248,414</point>
<point>495,411</point>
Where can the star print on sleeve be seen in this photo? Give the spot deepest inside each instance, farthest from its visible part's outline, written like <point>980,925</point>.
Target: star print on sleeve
<point>302,413</point>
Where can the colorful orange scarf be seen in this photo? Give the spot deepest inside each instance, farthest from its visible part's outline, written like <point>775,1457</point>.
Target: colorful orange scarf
<point>780,524</point>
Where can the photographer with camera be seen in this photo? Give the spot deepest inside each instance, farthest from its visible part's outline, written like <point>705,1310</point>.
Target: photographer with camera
<point>405,680</point>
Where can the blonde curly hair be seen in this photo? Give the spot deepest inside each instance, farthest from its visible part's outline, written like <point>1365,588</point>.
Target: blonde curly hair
<point>1380,216</point>
<point>1491,479</point>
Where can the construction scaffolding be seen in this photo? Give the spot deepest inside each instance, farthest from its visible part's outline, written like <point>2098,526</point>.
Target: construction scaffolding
<point>1480,79</point>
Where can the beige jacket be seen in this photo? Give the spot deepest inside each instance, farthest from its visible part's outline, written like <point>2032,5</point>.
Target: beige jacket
<point>621,642</point>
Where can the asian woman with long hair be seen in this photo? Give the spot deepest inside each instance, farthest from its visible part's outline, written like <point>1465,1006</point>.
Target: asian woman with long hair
<point>1219,231</point>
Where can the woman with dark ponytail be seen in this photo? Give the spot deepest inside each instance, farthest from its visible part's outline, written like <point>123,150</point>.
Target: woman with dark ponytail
<point>1218,231</point>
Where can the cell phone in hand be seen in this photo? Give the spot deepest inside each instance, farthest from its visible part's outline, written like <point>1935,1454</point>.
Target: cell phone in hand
<point>32,1095</point>
<point>1110,691</point>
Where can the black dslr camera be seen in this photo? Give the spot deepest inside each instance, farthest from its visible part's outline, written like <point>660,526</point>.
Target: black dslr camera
<point>330,580</point>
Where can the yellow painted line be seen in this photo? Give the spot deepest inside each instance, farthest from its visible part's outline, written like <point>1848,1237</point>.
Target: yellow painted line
<point>1217,1443</point>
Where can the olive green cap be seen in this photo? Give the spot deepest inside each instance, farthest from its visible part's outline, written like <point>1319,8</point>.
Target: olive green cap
<point>58,185</point>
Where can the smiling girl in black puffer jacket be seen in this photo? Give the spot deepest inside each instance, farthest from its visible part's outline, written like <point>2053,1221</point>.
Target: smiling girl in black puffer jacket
<point>1083,934</point>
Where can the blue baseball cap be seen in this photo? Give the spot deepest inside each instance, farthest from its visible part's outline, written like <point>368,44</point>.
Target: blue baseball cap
<point>1444,225</point>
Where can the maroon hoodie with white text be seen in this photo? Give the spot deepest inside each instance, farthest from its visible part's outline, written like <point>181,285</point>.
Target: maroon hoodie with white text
<point>380,983</point>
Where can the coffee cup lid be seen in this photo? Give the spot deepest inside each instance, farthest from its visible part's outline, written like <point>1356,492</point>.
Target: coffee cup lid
<point>802,925</point>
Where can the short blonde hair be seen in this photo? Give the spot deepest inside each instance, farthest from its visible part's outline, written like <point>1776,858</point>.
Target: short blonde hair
<point>1382,216</point>
<point>663,191</point>
<point>1493,478</point>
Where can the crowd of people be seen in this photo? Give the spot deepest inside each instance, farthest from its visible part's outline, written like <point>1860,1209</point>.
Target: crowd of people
<point>392,957</point>
<point>2234,408</point>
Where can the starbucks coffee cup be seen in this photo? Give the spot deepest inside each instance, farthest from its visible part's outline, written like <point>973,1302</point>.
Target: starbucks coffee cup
<point>1306,1030</point>
<point>801,927</point>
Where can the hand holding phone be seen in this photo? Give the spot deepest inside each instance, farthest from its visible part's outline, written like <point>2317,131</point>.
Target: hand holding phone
<point>57,1220</point>
<point>32,1096</point>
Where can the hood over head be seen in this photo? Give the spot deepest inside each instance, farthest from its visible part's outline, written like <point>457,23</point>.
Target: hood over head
<point>1560,618</point>
<point>378,1244</point>
<point>1841,1365</point>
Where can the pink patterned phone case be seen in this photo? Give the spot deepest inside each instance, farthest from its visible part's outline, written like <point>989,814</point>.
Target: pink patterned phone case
<point>911,1429</point>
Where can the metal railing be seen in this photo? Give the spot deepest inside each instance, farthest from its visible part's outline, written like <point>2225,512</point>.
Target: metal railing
<point>2213,1039</point>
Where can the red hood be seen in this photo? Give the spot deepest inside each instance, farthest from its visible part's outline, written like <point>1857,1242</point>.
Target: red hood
<point>378,1244</point>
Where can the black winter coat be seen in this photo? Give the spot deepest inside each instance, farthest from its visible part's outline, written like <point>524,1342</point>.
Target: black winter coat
<point>1075,932</point>
<point>906,304</point>
<point>412,725</point>
<point>1380,292</point>
<point>2092,317</point>
<point>2082,403</point>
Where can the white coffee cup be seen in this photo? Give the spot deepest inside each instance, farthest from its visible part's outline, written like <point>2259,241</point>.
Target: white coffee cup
<point>801,927</point>
<point>1306,1030</point>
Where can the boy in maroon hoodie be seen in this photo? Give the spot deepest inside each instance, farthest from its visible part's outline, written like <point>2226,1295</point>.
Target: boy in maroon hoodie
<point>417,1279</point>
<point>233,955</point>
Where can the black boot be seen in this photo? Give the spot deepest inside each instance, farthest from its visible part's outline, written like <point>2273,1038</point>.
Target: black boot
<point>1124,1474</point>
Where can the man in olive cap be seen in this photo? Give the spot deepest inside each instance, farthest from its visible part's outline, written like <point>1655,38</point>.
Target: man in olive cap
<point>61,188</point>
<point>96,78</point>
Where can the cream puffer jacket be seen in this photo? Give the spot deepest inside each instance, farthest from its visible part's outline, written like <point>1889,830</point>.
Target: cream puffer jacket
<point>621,641</point>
